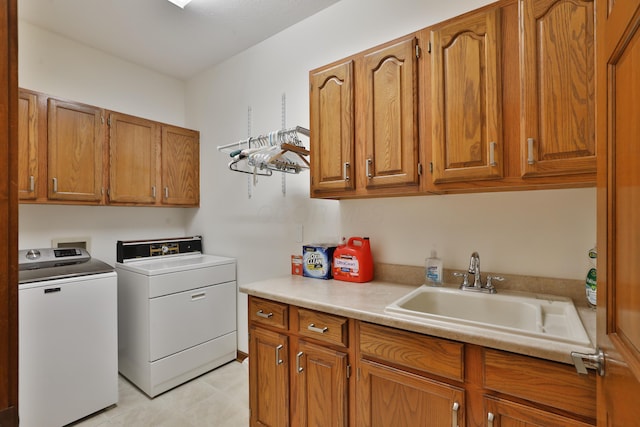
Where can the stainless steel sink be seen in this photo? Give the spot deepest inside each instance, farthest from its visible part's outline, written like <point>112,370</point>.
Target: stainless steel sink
<point>542,316</point>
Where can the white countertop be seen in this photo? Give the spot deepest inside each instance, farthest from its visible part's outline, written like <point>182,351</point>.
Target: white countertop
<point>367,301</point>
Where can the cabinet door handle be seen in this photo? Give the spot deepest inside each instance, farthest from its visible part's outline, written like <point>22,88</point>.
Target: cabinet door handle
<point>32,184</point>
<point>490,418</point>
<point>312,327</point>
<point>264,315</point>
<point>166,192</point>
<point>279,361</point>
<point>492,153</point>
<point>345,169</point>
<point>454,414</point>
<point>55,185</point>
<point>369,166</point>
<point>530,159</point>
<point>153,191</point>
<point>299,368</point>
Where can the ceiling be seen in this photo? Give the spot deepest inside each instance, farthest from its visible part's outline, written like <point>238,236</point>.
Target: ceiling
<point>163,37</point>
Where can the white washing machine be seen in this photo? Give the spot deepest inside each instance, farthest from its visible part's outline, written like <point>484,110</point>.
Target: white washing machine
<point>176,312</point>
<point>68,360</point>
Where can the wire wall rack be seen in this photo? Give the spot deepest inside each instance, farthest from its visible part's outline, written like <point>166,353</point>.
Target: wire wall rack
<point>277,151</point>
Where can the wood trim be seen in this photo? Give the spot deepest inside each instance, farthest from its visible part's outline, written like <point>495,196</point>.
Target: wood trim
<point>9,214</point>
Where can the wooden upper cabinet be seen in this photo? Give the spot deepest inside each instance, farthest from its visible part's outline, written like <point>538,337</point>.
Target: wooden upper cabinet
<point>180,166</point>
<point>75,151</point>
<point>389,142</point>
<point>557,74</point>
<point>133,148</point>
<point>332,129</point>
<point>27,145</point>
<point>466,99</point>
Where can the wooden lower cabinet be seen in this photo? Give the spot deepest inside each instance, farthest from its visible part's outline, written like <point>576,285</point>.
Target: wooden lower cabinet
<point>321,386</point>
<point>391,397</point>
<point>300,375</point>
<point>268,378</point>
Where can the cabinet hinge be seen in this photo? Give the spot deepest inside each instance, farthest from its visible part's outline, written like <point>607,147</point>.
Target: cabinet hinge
<point>348,371</point>
<point>429,47</point>
<point>418,51</point>
<point>431,167</point>
<point>419,169</point>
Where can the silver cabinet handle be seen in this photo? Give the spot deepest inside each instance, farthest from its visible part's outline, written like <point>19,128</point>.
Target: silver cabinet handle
<point>264,315</point>
<point>490,418</point>
<point>32,183</point>
<point>312,327</point>
<point>345,169</point>
<point>299,368</point>
<point>369,166</point>
<point>166,192</point>
<point>454,414</point>
<point>153,191</point>
<point>492,153</point>
<point>55,185</point>
<point>279,361</point>
<point>530,159</point>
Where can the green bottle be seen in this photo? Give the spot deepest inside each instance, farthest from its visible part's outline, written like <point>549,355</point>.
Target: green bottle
<point>591,282</point>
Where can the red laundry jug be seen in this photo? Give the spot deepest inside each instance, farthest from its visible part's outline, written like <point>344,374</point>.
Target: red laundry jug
<point>352,262</point>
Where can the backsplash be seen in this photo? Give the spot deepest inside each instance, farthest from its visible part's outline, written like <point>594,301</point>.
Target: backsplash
<point>414,275</point>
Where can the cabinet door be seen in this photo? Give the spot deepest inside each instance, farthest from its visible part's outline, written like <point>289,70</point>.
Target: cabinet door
<point>269,379</point>
<point>557,67</point>
<point>332,125</point>
<point>466,93</point>
<point>321,384</point>
<point>133,144</point>
<point>76,138</point>
<point>503,413</point>
<point>390,138</point>
<point>27,145</point>
<point>390,397</point>
<point>180,166</point>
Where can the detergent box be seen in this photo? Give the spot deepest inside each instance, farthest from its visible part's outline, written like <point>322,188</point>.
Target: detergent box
<point>316,260</point>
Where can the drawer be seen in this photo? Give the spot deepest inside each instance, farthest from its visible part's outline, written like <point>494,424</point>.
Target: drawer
<point>412,350</point>
<point>269,313</point>
<point>541,381</point>
<point>323,327</point>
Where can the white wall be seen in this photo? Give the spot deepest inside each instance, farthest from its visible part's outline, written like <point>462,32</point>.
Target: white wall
<point>65,68</point>
<point>543,233</point>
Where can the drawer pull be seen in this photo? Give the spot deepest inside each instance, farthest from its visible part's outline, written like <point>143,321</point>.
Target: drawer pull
<point>279,361</point>
<point>264,315</point>
<point>198,296</point>
<point>454,414</point>
<point>490,418</point>
<point>51,290</point>
<point>312,327</point>
<point>298,357</point>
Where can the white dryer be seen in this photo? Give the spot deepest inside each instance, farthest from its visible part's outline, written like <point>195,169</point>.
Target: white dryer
<point>176,312</point>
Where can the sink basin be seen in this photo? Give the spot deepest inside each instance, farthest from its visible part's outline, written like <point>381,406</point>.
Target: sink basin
<point>542,316</point>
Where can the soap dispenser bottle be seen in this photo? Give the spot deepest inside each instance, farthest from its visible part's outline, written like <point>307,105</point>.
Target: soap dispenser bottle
<point>433,269</point>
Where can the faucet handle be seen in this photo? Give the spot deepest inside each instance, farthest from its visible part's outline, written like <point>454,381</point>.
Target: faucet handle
<point>489,284</point>
<point>465,277</point>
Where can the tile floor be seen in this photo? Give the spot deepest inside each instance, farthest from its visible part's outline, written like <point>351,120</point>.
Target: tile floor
<point>219,398</point>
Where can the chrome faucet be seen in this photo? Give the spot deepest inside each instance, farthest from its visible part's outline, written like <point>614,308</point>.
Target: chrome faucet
<point>474,268</point>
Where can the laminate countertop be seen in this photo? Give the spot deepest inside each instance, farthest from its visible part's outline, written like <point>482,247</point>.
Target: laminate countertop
<point>367,302</point>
